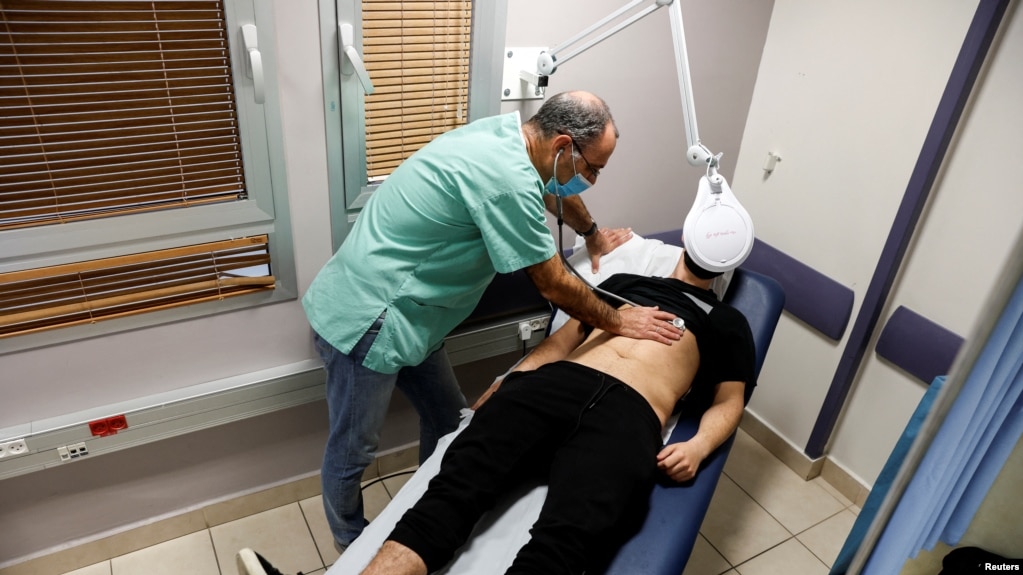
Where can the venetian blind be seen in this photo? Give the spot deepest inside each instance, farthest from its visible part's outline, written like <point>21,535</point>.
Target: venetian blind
<point>86,292</point>
<point>114,107</point>
<point>417,54</point>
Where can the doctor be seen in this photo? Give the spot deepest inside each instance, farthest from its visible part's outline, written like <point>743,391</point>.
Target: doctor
<point>429,241</point>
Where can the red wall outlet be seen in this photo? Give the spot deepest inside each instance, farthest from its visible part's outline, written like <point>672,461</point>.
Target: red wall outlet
<point>108,426</point>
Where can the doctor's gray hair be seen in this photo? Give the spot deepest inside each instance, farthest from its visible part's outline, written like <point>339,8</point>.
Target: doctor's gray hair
<point>581,115</point>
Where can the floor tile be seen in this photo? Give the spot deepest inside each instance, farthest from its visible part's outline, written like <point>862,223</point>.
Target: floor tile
<point>737,527</point>
<point>826,539</point>
<point>705,560</point>
<point>374,499</point>
<point>832,490</point>
<point>191,554</point>
<point>316,518</point>
<point>789,558</point>
<point>796,503</point>
<point>280,535</point>
<point>97,569</point>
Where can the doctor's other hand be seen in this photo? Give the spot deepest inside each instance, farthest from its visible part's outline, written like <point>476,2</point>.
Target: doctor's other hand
<point>604,242</point>
<point>648,323</point>
<point>486,394</point>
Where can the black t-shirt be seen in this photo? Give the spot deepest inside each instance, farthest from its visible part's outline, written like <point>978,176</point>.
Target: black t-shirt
<point>722,333</point>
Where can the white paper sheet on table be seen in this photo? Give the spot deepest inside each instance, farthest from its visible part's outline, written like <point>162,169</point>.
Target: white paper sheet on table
<point>495,541</point>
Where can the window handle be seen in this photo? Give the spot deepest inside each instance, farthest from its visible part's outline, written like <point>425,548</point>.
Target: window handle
<point>255,62</point>
<point>347,35</point>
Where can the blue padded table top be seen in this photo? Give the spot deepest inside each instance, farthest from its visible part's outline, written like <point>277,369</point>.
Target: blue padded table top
<point>664,543</point>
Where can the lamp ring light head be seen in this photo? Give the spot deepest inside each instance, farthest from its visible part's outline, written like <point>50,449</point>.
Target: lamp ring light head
<point>718,231</point>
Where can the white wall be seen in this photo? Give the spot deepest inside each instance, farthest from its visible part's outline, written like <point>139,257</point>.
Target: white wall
<point>970,225</point>
<point>846,94</point>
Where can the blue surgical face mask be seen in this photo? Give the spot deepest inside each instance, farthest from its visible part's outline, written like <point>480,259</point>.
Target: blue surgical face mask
<point>576,185</point>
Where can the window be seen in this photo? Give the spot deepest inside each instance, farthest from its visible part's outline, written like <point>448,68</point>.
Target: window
<point>135,151</point>
<point>87,292</point>
<point>433,67</point>
<point>417,54</point>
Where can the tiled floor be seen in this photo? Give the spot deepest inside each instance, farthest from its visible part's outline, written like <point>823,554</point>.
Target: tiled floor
<point>763,520</point>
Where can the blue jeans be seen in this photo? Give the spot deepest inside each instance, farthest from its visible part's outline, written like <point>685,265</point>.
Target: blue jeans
<point>357,401</point>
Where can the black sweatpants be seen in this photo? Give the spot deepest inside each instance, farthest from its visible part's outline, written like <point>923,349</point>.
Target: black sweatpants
<point>596,439</point>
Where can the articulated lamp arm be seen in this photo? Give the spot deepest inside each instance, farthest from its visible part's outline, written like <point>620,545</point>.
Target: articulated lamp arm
<point>547,64</point>
<point>718,232</point>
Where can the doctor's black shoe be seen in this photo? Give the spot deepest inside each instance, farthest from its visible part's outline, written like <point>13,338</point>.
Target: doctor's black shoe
<point>251,563</point>
<point>977,561</point>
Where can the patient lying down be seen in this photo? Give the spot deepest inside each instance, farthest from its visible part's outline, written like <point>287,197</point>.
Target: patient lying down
<point>586,409</point>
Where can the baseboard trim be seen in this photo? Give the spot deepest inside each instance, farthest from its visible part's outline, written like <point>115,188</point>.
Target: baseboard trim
<point>133,537</point>
<point>794,458</point>
<point>845,483</point>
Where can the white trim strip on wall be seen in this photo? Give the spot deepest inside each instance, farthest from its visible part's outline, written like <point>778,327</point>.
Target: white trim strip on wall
<point>198,407</point>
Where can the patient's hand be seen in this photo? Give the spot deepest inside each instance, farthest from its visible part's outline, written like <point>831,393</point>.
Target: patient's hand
<point>604,242</point>
<point>680,461</point>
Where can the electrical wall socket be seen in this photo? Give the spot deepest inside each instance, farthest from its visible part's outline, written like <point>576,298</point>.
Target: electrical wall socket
<point>538,324</point>
<point>525,332</point>
<point>69,452</point>
<point>528,328</point>
<point>13,447</point>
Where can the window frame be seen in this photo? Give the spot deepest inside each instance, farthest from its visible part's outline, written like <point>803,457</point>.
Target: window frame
<point>344,101</point>
<point>264,212</point>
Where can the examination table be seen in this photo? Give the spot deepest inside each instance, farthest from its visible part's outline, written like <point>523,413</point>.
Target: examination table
<point>665,541</point>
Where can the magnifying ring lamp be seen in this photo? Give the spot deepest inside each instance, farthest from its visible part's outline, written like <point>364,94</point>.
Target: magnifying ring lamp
<point>718,231</point>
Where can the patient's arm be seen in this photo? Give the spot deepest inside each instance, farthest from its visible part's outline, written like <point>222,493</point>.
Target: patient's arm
<point>680,461</point>
<point>554,347</point>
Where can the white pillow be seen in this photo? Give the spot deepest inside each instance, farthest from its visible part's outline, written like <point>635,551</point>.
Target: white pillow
<point>638,255</point>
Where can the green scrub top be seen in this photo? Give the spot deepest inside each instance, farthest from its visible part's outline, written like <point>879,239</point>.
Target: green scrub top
<point>429,241</point>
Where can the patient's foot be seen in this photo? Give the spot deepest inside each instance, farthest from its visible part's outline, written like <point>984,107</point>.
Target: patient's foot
<point>396,559</point>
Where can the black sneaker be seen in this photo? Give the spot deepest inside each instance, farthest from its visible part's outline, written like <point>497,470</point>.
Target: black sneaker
<point>974,560</point>
<point>251,563</point>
